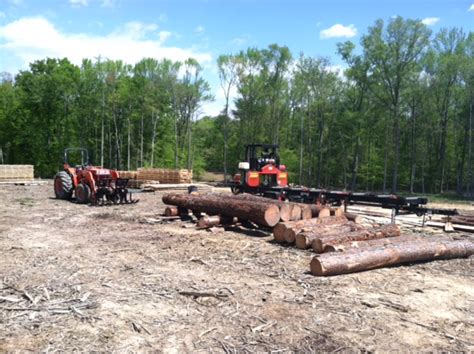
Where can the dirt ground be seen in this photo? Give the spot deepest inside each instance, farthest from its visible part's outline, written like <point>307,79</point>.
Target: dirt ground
<point>75,277</point>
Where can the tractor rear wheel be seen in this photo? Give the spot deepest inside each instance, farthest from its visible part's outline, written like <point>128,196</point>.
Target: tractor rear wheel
<point>82,193</point>
<point>63,185</point>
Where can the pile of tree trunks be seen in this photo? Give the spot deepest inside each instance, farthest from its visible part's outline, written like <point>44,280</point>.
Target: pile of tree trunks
<point>344,245</point>
<point>342,242</point>
<point>244,207</point>
<point>406,250</point>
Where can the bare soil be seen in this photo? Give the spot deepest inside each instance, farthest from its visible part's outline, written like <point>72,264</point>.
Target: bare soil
<point>76,277</point>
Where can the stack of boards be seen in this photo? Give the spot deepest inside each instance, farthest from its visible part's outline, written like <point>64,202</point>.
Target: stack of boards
<point>343,243</point>
<point>16,173</point>
<point>151,176</point>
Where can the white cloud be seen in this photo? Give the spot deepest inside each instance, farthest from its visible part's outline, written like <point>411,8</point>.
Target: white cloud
<point>29,39</point>
<point>199,29</point>
<point>430,21</point>
<point>239,41</point>
<point>108,3</point>
<point>79,3</point>
<point>471,8</point>
<point>337,31</point>
<point>163,18</point>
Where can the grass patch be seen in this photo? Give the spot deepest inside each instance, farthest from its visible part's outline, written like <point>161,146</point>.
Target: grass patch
<point>448,198</point>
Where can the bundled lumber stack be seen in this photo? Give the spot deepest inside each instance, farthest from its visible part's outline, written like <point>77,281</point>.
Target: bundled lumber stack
<point>163,175</point>
<point>133,181</point>
<point>128,174</point>
<point>467,220</point>
<point>14,173</point>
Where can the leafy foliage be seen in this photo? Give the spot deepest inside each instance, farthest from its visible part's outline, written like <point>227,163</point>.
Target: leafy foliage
<point>400,116</point>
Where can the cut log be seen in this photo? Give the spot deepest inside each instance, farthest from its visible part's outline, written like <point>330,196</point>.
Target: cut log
<point>305,238</point>
<point>336,212</point>
<point>335,263</point>
<point>323,212</point>
<point>175,211</point>
<point>355,245</point>
<point>280,228</point>
<point>208,221</point>
<point>306,212</point>
<point>354,217</point>
<point>278,232</point>
<point>295,212</point>
<point>291,231</point>
<point>171,211</point>
<point>390,230</point>
<point>260,213</point>
<point>285,208</point>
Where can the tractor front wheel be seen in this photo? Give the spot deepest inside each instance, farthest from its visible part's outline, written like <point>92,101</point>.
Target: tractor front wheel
<point>63,185</point>
<point>83,193</point>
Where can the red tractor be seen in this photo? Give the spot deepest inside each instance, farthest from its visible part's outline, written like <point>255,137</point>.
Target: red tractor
<point>90,184</point>
<point>261,172</point>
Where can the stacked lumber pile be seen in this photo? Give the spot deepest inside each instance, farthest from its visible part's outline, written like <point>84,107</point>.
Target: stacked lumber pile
<point>14,173</point>
<point>163,175</point>
<point>467,220</point>
<point>133,181</point>
<point>128,174</point>
<point>343,245</point>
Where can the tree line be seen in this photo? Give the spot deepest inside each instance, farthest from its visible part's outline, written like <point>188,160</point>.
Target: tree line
<point>398,118</point>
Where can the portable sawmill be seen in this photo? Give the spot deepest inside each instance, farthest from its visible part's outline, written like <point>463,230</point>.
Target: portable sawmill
<point>263,174</point>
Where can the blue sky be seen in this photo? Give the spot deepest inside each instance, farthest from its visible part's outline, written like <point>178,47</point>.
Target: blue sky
<point>130,30</point>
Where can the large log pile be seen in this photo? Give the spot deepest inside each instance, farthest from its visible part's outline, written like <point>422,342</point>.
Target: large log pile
<point>265,214</point>
<point>342,241</point>
<point>345,245</point>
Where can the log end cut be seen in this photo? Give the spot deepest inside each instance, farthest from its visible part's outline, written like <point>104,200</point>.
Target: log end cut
<point>272,215</point>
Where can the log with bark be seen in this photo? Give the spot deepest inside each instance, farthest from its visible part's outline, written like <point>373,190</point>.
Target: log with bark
<point>176,211</point>
<point>261,213</point>
<point>390,230</point>
<point>305,238</point>
<point>295,212</point>
<point>328,222</point>
<point>356,245</point>
<point>206,222</point>
<point>354,217</point>
<point>335,263</point>
<point>336,212</point>
<point>285,207</point>
<point>306,212</point>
